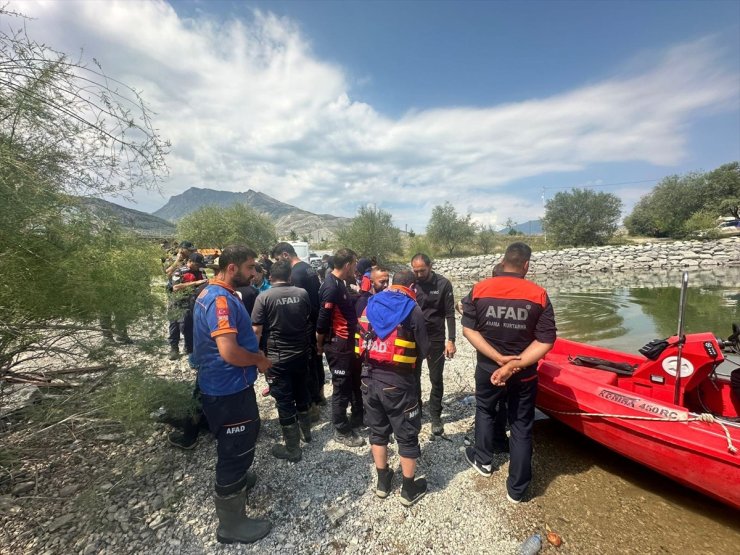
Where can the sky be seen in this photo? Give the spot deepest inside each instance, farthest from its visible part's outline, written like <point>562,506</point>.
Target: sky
<point>492,106</point>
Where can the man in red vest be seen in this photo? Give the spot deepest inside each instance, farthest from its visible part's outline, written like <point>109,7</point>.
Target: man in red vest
<point>392,340</point>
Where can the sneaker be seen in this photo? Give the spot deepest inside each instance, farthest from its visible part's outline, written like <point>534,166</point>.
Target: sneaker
<point>485,470</point>
<point>413,489</point>
<point>181,441</point>
<point>510,499</point>
<point>174,354</point>
<point>385,482</point>
<point>350,439</point>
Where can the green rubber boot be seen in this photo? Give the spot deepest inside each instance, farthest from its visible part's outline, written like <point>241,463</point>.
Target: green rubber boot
<point>233,524</point>
<point>292,449</point>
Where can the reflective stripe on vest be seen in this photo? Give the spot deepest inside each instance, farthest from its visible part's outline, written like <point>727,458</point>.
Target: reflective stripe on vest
<point>398,349</point>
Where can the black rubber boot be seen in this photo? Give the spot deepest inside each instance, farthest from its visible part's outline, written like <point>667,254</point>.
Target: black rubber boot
<point>233,524</point>
<point>314,412</point>
<point>292,449</point>
<point>385,481</point>
<point>304,423</point>
<point>413,489</point>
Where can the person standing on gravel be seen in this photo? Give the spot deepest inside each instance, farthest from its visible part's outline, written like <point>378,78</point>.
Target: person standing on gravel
<point>228,358</point>
<point>391,336</point>
<point>304,276</point>
<point>335,334</point>
<point>510,322</point>
<point>283,312</point>
<point>437,302</point>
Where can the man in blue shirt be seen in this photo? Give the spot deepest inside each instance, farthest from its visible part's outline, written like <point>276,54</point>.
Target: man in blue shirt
<point>228,358</point>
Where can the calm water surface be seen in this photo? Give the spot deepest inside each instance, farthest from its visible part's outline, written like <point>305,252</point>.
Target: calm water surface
<point>624,311</point>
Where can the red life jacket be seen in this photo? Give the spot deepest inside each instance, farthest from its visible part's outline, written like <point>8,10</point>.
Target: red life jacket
<point>398,349</point>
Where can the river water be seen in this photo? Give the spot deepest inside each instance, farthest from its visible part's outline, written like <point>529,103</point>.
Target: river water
<point>599,501</point>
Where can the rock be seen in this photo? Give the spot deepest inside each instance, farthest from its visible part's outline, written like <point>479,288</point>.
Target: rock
<point>335,514</point>
<point>23,487</point>
<point>90,549</point>
<point>107,486</point>
<point>61,521</point>
<point>305,504</point>
<point>109,437</point>
<point>66,491</point>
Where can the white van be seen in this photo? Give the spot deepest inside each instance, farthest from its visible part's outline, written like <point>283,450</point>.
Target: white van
<point>301,249</point>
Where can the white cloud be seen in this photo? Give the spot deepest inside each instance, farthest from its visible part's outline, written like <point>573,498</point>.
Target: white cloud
<point>248,105</point>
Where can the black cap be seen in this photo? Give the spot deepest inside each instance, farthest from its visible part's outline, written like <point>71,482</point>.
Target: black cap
<point>198,258</point>
<point>187,245</point>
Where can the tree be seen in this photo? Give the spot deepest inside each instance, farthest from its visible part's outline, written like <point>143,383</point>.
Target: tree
<point>67,129</point>
<point>371,233</point>
<point>486,239</point>
<point>217,227</point>
<point>449,230</point>
<point>665,210</point>
<point>582,217</point>
<point>293,235</point>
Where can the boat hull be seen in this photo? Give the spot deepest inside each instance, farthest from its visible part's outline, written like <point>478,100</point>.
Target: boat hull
<point>692,453</point>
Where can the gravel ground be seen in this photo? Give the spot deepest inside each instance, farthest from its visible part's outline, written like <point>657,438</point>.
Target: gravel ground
<point>119,493</point>
<point>112,492</point>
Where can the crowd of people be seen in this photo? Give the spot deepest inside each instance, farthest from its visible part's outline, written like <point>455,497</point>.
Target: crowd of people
<point>273,314</point>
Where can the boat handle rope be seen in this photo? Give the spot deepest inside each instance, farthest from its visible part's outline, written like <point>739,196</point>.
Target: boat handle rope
<point>704,417</point>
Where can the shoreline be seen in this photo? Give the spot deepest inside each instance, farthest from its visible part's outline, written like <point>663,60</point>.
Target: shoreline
<point>676,255</point>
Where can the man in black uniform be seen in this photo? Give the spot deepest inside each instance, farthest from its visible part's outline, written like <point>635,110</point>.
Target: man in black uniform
<point>437,302</point>
<point>284,313</point>
<point>510,322</point>
<point>392,334</point>
<point>335,333</point>
<point>304,276</point>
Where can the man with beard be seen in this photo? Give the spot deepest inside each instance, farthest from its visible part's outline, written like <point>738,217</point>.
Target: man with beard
<point>435,298</point>
<point>228,358</point>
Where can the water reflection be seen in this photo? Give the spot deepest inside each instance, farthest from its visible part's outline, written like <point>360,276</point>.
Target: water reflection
<point>626,310</point>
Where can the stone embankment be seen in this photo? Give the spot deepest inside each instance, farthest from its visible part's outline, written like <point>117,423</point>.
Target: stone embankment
<point>662,255</point>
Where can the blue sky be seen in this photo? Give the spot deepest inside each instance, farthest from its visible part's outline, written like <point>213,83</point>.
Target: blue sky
<point>329,105</point>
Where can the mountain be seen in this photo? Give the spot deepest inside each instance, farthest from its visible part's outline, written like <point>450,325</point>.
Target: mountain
<point>532,227</point>
<point>286,217</point>
<point>141,223</point>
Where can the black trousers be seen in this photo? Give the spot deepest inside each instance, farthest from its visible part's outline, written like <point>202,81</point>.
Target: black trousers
<point>520,392</point>
<point>340,354</point>
<point>392,405</point>
<point>315,377</point>
<point>234,420</point>
<point>288,387</point>
<point>436,364</point>
<point>184,327</point>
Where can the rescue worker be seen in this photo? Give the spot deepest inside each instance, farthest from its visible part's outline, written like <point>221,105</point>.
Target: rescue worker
<point>260,281</point>
<point>510,322</point>
<point>183,283</point>
<point>392,336</point>
<point>437,302</point>
<point>335,333</point>
<point>284,313</point>
<point>228,358</point>
<point>378,279</point>
<point>304,276</point>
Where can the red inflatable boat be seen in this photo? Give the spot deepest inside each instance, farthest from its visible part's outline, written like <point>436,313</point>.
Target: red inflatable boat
<point>632,405</point>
